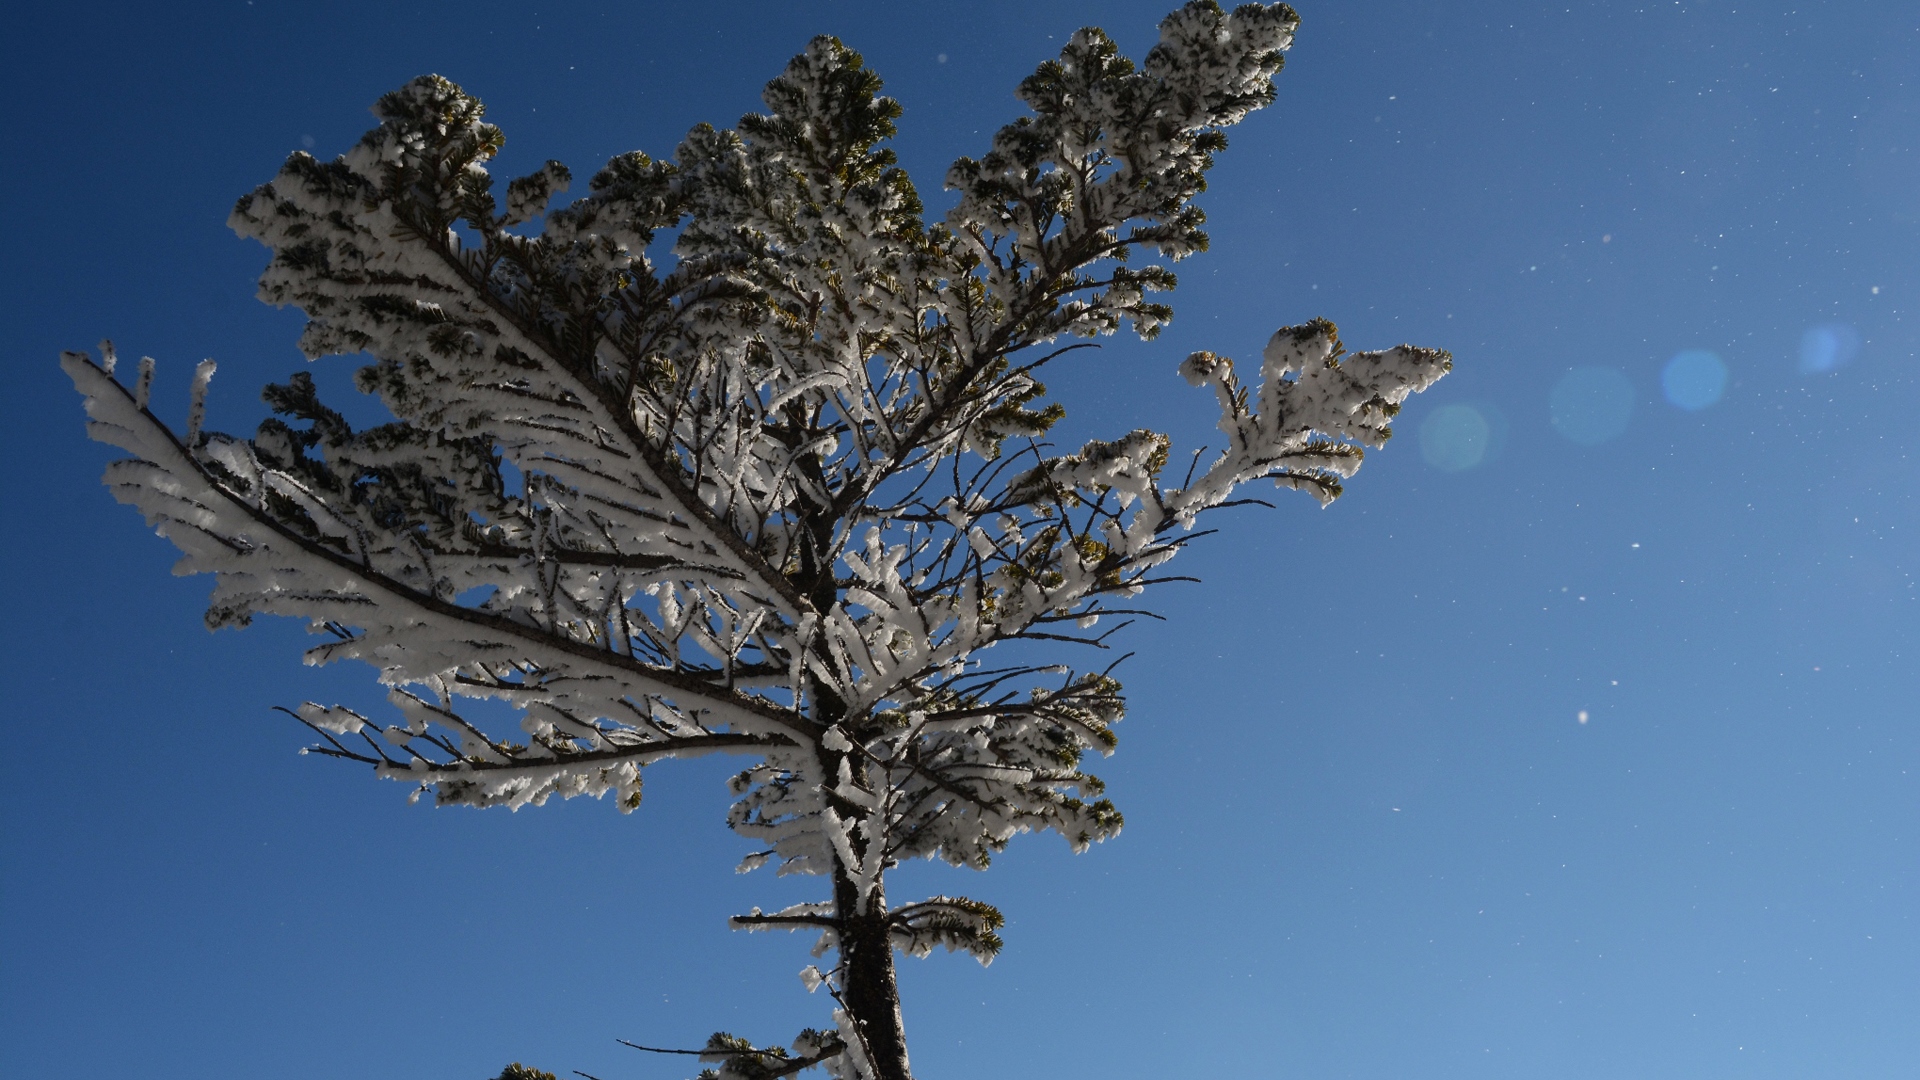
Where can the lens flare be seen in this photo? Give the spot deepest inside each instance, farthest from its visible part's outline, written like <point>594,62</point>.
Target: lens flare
<point>1591,405</point>
<point>1828,347</point>
<point>1455,438</point>
<point>1694,379</point>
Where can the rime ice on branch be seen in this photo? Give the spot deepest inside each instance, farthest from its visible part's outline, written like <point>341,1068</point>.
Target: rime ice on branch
<point>776,498</point>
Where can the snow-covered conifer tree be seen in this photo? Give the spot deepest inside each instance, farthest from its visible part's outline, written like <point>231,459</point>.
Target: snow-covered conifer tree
<point>772,501</point>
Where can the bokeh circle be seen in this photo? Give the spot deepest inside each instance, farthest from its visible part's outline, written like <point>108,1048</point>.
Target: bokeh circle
<point>1455,438</point>
<point>1694,379</point>
<point>1591,405</point>
<point>1828,347</point>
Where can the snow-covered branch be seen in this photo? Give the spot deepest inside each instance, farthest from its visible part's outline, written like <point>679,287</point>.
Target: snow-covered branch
<point>775,500</point>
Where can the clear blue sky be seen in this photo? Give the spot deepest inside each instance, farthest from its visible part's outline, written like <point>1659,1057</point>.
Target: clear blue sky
<point>1673,485</point>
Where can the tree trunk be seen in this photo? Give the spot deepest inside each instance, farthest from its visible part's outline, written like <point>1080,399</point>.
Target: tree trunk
<point>871,996</point>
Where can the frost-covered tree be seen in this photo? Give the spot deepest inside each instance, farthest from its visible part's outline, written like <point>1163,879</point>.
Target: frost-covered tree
<point>774,501</point>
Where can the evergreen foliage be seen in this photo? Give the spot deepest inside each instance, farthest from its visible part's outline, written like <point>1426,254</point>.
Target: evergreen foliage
<point>771,501</point>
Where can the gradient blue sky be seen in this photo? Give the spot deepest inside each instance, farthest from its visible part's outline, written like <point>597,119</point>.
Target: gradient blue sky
<point>1368,833</point>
